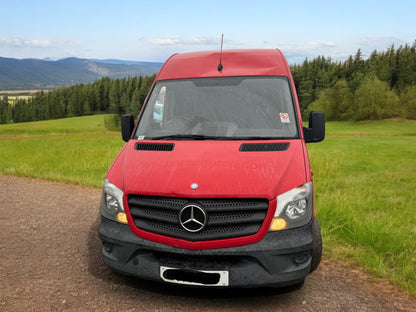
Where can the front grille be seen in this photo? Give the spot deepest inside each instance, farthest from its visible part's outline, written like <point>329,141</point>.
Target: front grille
<point>226,218</point>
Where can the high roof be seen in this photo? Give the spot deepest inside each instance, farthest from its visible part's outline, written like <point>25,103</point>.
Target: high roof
<point>269,62</point>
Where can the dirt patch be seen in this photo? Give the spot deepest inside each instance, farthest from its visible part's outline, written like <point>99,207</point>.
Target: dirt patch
<point>50,261</point>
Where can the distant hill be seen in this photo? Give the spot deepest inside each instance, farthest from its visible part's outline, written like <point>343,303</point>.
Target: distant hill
<point>20,74</point>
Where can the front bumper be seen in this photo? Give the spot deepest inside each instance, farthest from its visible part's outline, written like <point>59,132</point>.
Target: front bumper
<point>281,258</point>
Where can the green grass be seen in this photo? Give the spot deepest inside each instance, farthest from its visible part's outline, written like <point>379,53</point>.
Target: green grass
<point>364,175</point>
<point>74,150</point>
<point>365,182</point>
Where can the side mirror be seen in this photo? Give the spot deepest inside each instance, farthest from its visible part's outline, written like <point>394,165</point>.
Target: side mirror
<point>127,127</point>
<point>316,131</point>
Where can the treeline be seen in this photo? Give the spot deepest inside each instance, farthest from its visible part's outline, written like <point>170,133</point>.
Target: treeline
<point>381,86</point>
<point>117,96</point>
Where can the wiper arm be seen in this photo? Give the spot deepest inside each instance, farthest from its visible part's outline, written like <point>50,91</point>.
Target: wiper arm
<point>180,136</point>
<point>260,138</point>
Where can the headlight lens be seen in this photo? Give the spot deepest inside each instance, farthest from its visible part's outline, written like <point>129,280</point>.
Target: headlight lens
<point>112,203</point>
<point>294,208</point>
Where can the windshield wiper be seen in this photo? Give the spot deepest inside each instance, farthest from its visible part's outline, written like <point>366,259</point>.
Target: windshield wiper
<point>180,136</point>
<point>261,138</point>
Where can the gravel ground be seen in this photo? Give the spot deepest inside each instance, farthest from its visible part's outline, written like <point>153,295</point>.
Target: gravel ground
<point>50,261</point>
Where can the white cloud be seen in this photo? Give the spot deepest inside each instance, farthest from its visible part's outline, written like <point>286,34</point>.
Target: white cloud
<point>375,41</point>
<point>178,41</point>
<point>295,52</point>
<point>164,41</point>
<point>21,43</point>
<point>327,44</point>
<point>380,43</point>
<point>298,52</point>
<point>338,50</point>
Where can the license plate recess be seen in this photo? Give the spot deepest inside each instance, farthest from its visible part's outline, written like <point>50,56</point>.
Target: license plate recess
<point>194,277</point>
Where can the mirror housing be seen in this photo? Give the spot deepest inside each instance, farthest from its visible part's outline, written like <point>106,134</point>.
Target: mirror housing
<point>127,127</point>
<point>316,131</point>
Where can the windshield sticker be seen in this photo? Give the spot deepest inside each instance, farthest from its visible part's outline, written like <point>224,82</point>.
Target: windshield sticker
<point>141,137</point>
<point>284,118</point>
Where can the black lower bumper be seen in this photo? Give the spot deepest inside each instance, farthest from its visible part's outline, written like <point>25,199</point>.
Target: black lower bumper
<point>279,259</point>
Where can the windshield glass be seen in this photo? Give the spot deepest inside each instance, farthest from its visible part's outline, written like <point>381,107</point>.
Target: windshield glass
<point>219,108</point>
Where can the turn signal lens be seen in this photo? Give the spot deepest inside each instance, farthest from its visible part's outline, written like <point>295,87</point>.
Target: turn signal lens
<point>277,224</point>
<point>122,218</point>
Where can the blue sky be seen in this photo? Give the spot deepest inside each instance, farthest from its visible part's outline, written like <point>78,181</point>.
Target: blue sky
<point>153,30</point>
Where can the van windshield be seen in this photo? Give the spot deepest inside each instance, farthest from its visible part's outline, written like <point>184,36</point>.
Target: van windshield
<point>228,108</point>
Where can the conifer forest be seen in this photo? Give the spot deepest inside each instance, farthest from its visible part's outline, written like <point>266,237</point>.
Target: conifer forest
<point>380,86</point>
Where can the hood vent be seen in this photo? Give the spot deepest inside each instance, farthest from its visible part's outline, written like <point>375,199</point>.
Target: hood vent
<point>161,147</point>
<point>264,147</point>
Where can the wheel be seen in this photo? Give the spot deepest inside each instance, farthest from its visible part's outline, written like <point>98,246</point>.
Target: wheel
<point>317,245</point>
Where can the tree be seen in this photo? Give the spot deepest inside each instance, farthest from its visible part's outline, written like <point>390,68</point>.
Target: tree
<point>114,96</point>
<point>335,102</point>
<point>343,97</point>
<point>406,67</point>
<point>374,100</point>
<point>4,107</point>
<point>135,103</point>
<point>408,100</point>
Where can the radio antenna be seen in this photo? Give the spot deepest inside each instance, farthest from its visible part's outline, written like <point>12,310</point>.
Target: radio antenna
<point>220,64</point>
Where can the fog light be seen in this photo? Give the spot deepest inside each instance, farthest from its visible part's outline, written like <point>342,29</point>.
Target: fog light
<point>300,258</point>
<point>122,218</point>
<point>277,224</point>
<point>107,247</point>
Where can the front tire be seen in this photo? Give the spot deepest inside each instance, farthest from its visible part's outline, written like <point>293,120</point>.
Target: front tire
<point>317,245</point>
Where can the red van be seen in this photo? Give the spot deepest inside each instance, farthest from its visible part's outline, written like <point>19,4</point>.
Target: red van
<point>214,187</point>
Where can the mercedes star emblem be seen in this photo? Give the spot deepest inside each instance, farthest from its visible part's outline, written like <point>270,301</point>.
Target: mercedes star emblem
<point>192,218</point>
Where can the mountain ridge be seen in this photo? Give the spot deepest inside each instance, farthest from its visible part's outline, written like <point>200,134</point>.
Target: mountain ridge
<point>31,73</point>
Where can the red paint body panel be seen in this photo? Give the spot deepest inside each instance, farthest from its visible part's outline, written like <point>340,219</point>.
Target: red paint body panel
<point>235,63</point>
<point>219,168</point>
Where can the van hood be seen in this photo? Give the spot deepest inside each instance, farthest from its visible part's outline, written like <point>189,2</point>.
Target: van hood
<point>217,168</point>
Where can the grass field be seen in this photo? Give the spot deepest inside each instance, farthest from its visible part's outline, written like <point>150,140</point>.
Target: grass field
<point>74,150</point>
<point>364,174</point>
<point>365,182</point>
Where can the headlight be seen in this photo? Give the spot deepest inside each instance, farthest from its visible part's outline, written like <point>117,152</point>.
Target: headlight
<point>112,203</point>
<point>294,208</point>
